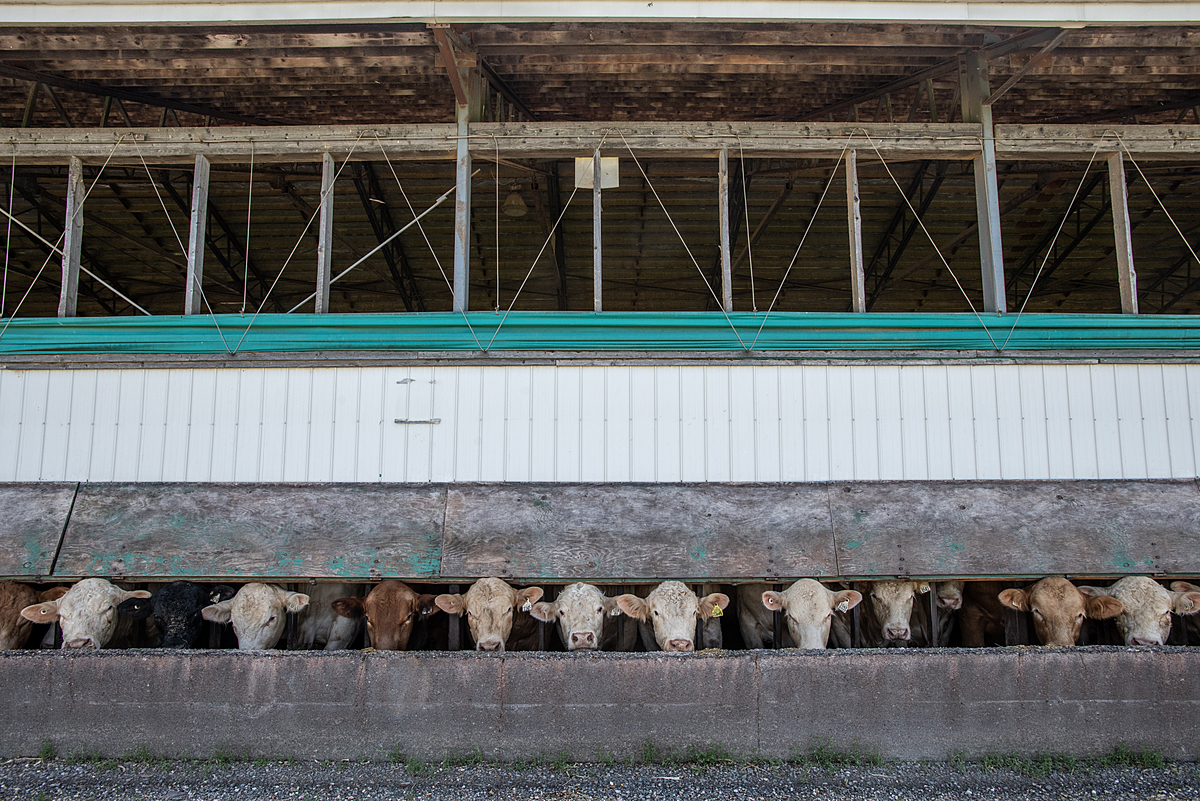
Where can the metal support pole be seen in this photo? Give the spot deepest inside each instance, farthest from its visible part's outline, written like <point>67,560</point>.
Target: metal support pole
<point>1123,233</point>
<point>596,255</point>
<point>933,616</point>
<point>193,295</point>
<point>777,622</point>
<point>72,240</point>
<point>855,622</point>
<point>454,630</point>
<point>325,234</point>
<point>858,293</point>
<point>723,204</point>
<point>987,194</point>
<point>462,213</point>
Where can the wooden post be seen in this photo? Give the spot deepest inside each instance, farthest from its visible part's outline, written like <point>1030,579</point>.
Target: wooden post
<point>193,295</point>
<point>723,205</point>
<point>325,234</point>
<point>462,213</point>
<point>777,622</point>
<point>597,180</point>
<point>855,621</point>
<point>454,630</point>
<point>1123,234</point>
<point>72,245</point>
<point>858,293</point>
<point>987,194</point>
<point>933,616</point>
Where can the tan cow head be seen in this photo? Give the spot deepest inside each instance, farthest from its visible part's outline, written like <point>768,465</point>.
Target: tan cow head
<point>808,608</point>
<point>1146,607</point>
<point>258,613</point>
<point>949,595</point>
<point>1059,609</point>
<point>391,609</point>
<point>891,603</point>
<point>580,610</point>
<point>489,606</point>
<point>86,611</point>
<point>14,596</point>
<point>672,609</point>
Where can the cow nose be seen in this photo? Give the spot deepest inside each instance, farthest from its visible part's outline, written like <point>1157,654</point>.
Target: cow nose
<point>680,645</point>
<point>950,603</point>
<point>897,633</point>
<point>79,643</point>
<point>1144,641</point>
<point>583,639</point>
<point>490,645</point>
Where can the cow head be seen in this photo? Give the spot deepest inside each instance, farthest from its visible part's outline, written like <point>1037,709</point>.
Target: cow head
<point>1146,607</point>
<point>949,595</point>
<point>580,610</point>
<point>258,613</point>
<point>489,606</point>
<point>87,612</point>
<point>672,609</point>
<point>891,603</point>
<point>808,608</point>
<point>176,609</point>
<point>390,608</point>
<point>1059,609</point>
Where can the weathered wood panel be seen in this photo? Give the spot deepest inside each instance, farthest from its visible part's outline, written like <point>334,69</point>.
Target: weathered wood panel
<point>351,531</point>
<point>637,531</point>
<point>996,528</point>
<point>32,518</point>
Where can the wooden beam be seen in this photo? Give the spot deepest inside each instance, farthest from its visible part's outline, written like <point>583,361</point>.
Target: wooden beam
<point>325,234</point>
<point>974,82</point>
<point>723,213</point>
<point>462,213</point>
<point>597,253</point>
<point>72,241</point>
<point>858,298</point>
<point>1041,57</point>
<point>1126,274</point>
<point>193,295</point>
<point>1082,142</point>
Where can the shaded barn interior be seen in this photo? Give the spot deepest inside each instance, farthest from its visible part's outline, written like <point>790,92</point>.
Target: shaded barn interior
<point>660,237</point>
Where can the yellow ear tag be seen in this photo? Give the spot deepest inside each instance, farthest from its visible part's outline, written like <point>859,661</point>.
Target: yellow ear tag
<point>718,611</point>
<point>843,606</point>
<point>528,605</point>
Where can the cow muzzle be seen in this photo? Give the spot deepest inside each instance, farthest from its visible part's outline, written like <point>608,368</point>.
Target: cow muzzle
<point>80,644</point>
<point>1144,641</point>
<point>583,641</point>
<point>897,633</point>
<point>681,646</point>
<point>491,644</point>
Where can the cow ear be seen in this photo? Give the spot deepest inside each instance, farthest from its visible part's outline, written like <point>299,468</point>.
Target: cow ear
<point>41,613</point>
<point>450,604</point>
<point>1100,607</point>
<point>349,607</point>
<point>1017,599</point>
<point>1093,591</point>
<point>920,587</point>
<point>711,602</point>
<point>125,596</point>
<point>633,606</point>
<point>427,605</point>
<point>1183,586</point>
<point>221,592</point>
<point>846,600</point>
<point>1185,603</point>
<point>295,601</point>
<point>610,607</point>
<point>135,608</point>
<point>218,613</point>
<point>544,612</point>
<point>527,597</point>
<point>772,600</point>
<point>54,593</point>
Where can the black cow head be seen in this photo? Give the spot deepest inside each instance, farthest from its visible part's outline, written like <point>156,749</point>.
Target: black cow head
<point>176,609</point>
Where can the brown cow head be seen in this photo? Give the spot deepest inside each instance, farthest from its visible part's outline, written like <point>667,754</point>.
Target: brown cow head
<point>1059,609</point>
<point>390,608</point>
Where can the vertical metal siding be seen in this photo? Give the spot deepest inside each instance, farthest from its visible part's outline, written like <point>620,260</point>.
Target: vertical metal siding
<point>601,423</point>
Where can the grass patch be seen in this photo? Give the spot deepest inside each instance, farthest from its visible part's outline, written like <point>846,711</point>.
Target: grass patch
<point>415,766</point>
<point>560,761</point>
<point>824,755</point>
<point>227,756</point>
<point>140,754</point>
<point>1124,756</point>
<point>93,757</point>
<point>1038,765</point>
<point>710,756</point>
<point>47,752</point>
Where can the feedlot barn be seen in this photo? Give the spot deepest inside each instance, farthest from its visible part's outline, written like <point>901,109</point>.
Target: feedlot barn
<point>626,292</point>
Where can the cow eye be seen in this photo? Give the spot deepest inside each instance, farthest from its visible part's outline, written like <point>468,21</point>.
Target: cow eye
<point>599,610</point>
<point>271,619</point>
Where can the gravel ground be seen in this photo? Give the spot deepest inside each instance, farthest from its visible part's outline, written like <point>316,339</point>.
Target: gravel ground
<point>61,780</point>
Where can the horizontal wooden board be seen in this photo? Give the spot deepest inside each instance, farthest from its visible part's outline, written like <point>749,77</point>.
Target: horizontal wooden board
<point>32,518</point>
<point>354,531</point>
<point>1032,528</point>
<point>637,531</point>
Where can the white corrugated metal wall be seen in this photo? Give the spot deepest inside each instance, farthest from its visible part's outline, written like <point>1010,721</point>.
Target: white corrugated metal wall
<point>601,423</point>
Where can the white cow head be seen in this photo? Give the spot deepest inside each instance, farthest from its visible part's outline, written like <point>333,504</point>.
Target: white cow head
<point>672,609</point>
<point>258,612</point>
<point>808,608</point>
<point>87,612</point>
<point>949,595</point>
<point>1145,617</point>
<point>580,610</point>
<point>891,603</point>
<point>489,605</point>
